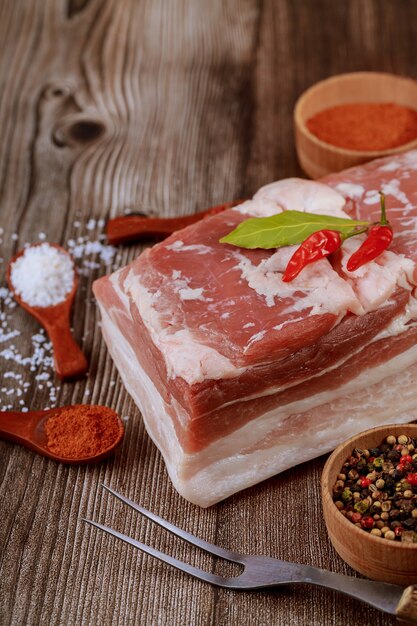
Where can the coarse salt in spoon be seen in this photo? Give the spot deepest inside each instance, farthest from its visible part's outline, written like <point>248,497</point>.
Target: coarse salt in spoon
<point>43,280</point>
<point>87,433</point>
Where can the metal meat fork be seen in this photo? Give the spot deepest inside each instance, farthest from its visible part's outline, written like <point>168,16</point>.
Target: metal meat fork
<point>264,571</point>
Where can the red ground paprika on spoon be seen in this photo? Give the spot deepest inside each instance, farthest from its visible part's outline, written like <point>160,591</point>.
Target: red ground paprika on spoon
<point>81,431</point>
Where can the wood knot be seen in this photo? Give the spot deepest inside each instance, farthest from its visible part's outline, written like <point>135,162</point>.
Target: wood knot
<point>86,130</point>
<point>77,129</point>
<point>58,90</point>
<point>76,6</point>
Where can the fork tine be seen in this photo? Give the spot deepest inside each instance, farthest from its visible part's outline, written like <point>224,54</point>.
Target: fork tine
<point>195,541</point>
<point>213,579</point>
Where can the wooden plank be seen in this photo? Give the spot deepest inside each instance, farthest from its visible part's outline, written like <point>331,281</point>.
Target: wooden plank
<point>102,124</point>
<point>167,108</point>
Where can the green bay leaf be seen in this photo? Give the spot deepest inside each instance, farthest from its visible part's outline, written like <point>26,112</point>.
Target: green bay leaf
<point>287,229</point>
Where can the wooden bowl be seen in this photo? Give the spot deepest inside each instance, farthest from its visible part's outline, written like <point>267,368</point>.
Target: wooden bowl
<point>318,158</point>
<point>375,557</point>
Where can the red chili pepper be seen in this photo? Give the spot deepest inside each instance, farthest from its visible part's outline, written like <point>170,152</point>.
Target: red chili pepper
<point>317,246</point>
<point>378,240</point>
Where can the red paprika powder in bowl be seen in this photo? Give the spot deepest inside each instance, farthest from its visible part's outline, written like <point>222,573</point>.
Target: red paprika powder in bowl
<point>353,118</point>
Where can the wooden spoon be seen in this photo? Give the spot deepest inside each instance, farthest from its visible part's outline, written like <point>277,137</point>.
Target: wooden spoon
<point>28,430</point>
<point>69,361</point>
<point>130,228</point>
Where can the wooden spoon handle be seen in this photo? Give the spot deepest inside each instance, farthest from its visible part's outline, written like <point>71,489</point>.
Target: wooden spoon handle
<point>134,227</point>
<point>15,425</point>
<point>69,360</point>
<point>407,606</point>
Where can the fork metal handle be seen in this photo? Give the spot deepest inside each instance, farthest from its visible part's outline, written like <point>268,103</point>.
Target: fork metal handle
<point>386,597</point>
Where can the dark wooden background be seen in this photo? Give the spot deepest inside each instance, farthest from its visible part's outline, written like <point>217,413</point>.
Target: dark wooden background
<point>171,106</point>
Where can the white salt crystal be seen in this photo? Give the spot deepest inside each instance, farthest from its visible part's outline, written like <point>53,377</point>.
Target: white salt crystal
<point>7,336</point>
<point>43,376</point>
<point>43,275</point>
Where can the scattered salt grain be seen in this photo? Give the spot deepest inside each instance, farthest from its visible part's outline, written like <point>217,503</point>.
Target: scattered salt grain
<point>84,248</point>
<point>7,336</point>
<point>43,376</point>
<point>43,275</point>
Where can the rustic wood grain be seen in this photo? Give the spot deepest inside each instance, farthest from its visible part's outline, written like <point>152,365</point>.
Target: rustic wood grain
<point>167,107</point>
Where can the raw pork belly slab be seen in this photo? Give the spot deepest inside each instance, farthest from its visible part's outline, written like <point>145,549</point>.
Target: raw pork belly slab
<point>239,375</point>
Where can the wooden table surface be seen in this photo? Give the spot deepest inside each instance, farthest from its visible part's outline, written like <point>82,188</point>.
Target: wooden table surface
<point>164,106</point>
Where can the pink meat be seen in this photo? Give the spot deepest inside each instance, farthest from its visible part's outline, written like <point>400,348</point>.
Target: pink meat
<point>227,315</point>
<point>396,177</point>
<point>210,342</point>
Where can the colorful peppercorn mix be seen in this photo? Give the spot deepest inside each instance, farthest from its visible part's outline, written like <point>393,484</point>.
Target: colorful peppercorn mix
<point>377,489</point>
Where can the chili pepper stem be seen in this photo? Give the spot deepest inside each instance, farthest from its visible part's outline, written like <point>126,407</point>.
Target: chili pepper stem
<point>355,232</point>
<point>383,220</point>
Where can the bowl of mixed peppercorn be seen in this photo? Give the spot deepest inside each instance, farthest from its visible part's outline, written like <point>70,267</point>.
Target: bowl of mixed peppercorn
<point>369,491</point>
